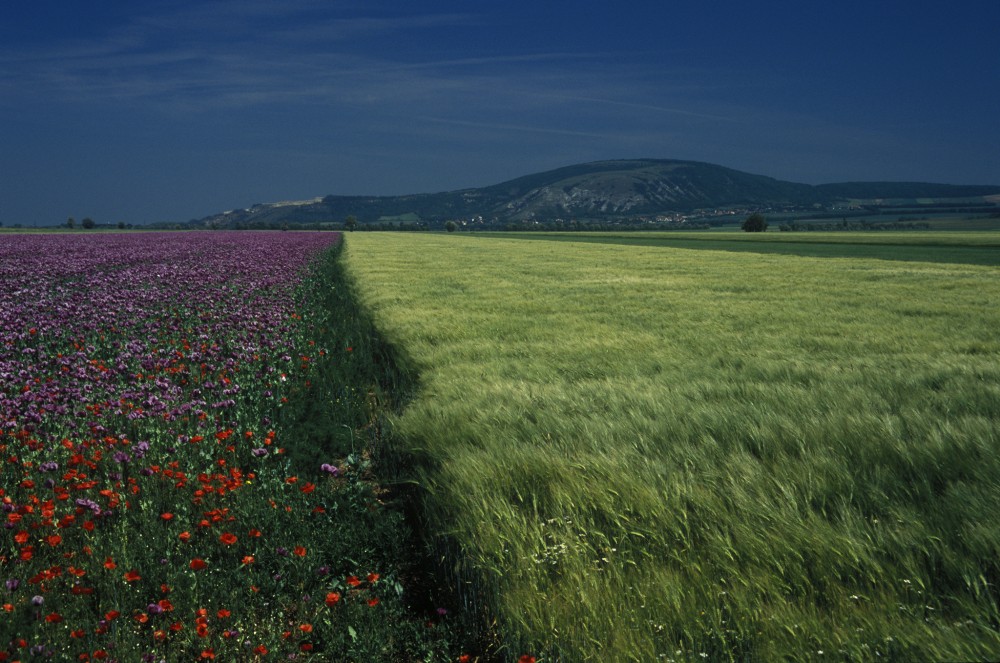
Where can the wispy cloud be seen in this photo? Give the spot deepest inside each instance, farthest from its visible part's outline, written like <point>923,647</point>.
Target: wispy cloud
<point>639,106</point>
<point>214,53</point>
<point>228,55</point>
<point>303,59</point>
<point>333,30</point>
<point>512,127</point>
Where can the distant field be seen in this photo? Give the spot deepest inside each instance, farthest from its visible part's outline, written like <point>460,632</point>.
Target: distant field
<point>944,221</point>
<point>973,248</point>
<point>645,453</point>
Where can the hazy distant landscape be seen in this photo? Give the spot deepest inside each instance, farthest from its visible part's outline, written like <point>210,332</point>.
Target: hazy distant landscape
<point>636,194</point>
<point>640,193</point>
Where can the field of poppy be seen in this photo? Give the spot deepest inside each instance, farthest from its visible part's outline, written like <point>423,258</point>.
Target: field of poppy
<point>185,436</point>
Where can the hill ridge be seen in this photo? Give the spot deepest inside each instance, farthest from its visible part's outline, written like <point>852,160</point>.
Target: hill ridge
<point>599,190</point>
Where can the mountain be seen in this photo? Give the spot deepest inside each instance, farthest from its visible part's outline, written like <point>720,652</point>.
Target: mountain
<point>602,190</point>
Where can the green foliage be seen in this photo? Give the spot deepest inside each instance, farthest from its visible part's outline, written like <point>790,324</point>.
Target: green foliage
<point>87,223</point>
<point>630,454</point>
<point>755,223</point>
<point>451,226</point>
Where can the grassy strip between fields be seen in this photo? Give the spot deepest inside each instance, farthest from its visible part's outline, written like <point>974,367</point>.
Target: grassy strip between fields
<point>639,453</point>
<point>971,248</point>
<point>340,413</point>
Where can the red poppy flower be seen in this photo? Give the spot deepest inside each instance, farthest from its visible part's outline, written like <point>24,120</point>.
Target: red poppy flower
<point>373,578</point>
<point>184,536</point>
<point>132,576</point>
<point>372,602</point>
<point>197,564</point>
<point>332,598</point>
<point>299,550</point>
<point>228,539</point>
<point>166,516</point>
<point>353,581</point>
<point>526,659</point>
<point>109,564</point>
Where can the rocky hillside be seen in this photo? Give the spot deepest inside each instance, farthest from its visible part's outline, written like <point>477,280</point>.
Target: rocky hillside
<point>599,190</point>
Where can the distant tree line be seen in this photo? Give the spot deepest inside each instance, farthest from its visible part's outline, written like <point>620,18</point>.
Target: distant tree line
<point>88,224</point>
<point>755,223</point>
<point>592,226</point>
<point>794,226</point>
<point>318,225</point>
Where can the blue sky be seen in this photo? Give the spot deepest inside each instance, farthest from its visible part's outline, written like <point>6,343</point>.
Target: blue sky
<point>167,111</point>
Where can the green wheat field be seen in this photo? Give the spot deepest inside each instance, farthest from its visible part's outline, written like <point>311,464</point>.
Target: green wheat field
<point>650,449</point>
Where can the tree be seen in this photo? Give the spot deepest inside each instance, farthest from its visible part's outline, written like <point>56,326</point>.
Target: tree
<point>755,223</point>
<point>87,223</point>
<point>451,226</point>
<point>121,225</point>
<point>70,223</point>
<point>350,223</point>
